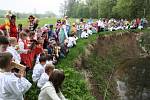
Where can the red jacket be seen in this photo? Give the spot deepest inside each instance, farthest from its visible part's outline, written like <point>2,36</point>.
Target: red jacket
<point>13,30</point>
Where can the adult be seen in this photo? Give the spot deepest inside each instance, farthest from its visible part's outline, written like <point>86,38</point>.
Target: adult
<point>68,27</point>
<point>63,33</point>
<point>13,29</point>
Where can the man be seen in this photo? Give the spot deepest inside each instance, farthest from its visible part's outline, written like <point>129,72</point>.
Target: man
<point>13,28</point>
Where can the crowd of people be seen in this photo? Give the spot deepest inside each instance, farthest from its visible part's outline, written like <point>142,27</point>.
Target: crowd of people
<point>39,49</point>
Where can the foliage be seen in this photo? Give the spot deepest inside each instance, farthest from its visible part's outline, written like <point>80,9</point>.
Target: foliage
<point>108,8</point>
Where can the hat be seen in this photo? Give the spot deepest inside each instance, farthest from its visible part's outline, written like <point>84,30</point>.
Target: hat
<point>8,13</point>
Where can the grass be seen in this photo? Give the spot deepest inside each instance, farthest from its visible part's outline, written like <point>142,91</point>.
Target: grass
<point>42,21</point>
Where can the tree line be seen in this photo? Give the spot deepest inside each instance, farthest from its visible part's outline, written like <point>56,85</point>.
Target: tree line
<point>106,8</point>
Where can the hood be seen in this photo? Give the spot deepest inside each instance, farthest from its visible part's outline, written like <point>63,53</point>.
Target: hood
<point>47,84</point>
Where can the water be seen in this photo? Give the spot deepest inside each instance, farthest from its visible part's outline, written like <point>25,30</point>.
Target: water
<point>133,79</point>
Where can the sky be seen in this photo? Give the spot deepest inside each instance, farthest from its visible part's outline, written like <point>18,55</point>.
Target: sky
<point>38,6</point>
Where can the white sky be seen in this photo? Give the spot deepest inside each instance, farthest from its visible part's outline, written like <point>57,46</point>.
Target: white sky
<point>30,5</point>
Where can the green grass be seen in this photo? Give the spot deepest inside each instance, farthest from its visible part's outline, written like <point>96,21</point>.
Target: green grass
<point>42,21</point>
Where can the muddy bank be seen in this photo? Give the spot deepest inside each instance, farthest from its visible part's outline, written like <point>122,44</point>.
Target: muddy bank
<point>101,63</point>
<point>133,79</point>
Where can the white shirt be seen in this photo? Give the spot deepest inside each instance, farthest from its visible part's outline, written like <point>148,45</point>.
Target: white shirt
<point>37,72</point>
<point>48,92</point>
<point>21,47</point>
<point>49,62</point>
<point>71,41</point>
<point>89,32</point>
<point>43,79</point>
<point>12,87</point>
<point>84,35</point>
<point>15,54</point>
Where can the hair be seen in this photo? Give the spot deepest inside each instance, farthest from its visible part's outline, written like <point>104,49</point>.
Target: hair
<point>32,33</point>
<point>63,22</point>
<point>13,17</point>
<point>51,26</point>
<point>42,59</point>
<point>4,40</point>
<point>22,34</point>
<point>49,67</point>
<point>49,57</point>
<point>5,59</point>
<point>58,21</point>
<point>31,16</point>
<point>1,33</point>
<point>57,77</point>
<point>12,40</point>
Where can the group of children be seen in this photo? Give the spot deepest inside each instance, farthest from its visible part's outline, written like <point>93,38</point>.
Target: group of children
<point>27,50</point>
<point>39,50</point>
<point>122,24</point>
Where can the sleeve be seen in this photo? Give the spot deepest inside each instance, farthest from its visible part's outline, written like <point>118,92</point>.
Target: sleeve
<point>23,84</point>
<point>37,74</point>
<point>43,79</point>
<point>19,86</point>
<point>21,48</point>
<point>52,93</point>
<point>61,96</point>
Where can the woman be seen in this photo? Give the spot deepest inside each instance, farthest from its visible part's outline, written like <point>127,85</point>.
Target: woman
<point>63,33</point>
<point>51,89</point>
<point>12,85</point>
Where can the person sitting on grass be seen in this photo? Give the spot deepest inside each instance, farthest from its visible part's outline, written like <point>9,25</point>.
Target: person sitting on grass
<point>12,85</point>
<point>38,69</point>
<point>90,32</point>
<point>84,34</point>
<point>45,76</point>
<point>51,89</point>
<point>71,41</point>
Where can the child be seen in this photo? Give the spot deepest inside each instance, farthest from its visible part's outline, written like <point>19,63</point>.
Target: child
<point>84,34</point>
<point>90,31</point>
<point>50,59</point>
<point>13,50</point>
<point>45,76</point>
<point>39,69</point>
<point>4,42</point>
<point>51,89</point>
<point>71,41</point>
<point>74,29</point>
<point>31,22</point>
<point>12,86</point>
<point>51,32</point>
